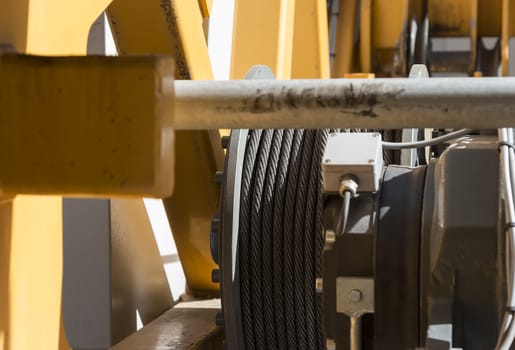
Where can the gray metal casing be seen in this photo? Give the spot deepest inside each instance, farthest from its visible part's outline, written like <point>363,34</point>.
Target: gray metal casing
<point>432,237</point>
<point>462,248</point>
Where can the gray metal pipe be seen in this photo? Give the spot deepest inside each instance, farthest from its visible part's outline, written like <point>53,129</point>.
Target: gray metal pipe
<point>394,103</point>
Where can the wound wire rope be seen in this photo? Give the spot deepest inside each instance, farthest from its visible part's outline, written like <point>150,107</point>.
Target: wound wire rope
<point>281,239</point>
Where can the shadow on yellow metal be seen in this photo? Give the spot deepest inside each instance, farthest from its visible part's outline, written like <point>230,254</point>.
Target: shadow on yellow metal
<point>143,27</point>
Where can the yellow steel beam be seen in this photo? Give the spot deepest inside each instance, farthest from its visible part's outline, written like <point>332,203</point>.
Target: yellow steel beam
<point>48,27</point>
<point>263,34</point>
<point>310,58</point>
<point>389,20</point>
<point>474,4</point>
<point>176,28</point>
<point>489,17</point>
<point>449,17</point>
<point>455,17</point>
<point>205,7</point>
<point>30,228</point>
<point>35,273</point>
<point>191,208</point>
<point>507,7</point>
<point>365,36</point>
<point>5,259</point>
<point>100,125</point>
<point>345,46</point>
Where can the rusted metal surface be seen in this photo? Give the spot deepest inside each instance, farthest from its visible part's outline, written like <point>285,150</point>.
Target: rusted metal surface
<point>346,103</point>
<point>188,326</point>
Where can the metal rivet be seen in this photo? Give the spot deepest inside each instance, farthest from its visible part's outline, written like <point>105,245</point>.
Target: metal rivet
<point>327,160</point>
<point>355,295</point>
<point>330,239</point>
<point>330,344</point>
<point>371,161</point>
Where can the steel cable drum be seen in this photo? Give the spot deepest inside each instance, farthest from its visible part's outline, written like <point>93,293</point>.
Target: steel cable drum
<point>271,237</point>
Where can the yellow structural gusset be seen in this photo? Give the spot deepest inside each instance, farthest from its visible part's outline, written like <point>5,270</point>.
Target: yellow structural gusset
<point>86,125</point>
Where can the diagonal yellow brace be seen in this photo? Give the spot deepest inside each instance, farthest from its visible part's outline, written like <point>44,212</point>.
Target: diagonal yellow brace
<point>86,125</point>
<point>175,27</point>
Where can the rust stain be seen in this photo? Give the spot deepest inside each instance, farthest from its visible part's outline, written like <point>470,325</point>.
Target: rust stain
<point>359,101</point>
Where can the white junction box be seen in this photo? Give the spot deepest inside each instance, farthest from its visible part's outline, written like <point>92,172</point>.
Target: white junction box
<point>356,154</point>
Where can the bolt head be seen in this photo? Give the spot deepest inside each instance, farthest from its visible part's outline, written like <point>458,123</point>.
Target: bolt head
<point>355,295</point>
<point>330,239</point>
<point>330,344</point>
<point>319,285</point>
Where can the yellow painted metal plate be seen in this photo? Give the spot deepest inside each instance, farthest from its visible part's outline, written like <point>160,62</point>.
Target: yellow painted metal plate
<point>389,21</point>
<point>48,27</point>
<point>345,47</point>
<point>263,34</point>
<point>194,202</point>
<point>88,126</point>
<point>310,58</point>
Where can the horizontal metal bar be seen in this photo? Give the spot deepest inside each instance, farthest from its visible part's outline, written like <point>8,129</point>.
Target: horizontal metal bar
<point>346,103</point>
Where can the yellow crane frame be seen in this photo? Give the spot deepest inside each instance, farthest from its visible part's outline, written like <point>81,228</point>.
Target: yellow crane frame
<point>290,36</point>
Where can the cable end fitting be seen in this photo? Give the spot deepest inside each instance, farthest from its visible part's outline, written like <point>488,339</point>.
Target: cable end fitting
<point>349,183</point>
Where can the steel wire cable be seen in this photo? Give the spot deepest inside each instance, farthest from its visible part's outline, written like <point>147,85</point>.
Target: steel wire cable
<point>244,237</point>
<point>279,202</point>
<point>281,219</point>
<point>267,247</point>
<point>288,237</point>
<point>257,264</point>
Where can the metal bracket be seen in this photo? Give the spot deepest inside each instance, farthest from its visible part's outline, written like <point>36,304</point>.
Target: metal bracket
<point>354,295</point>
